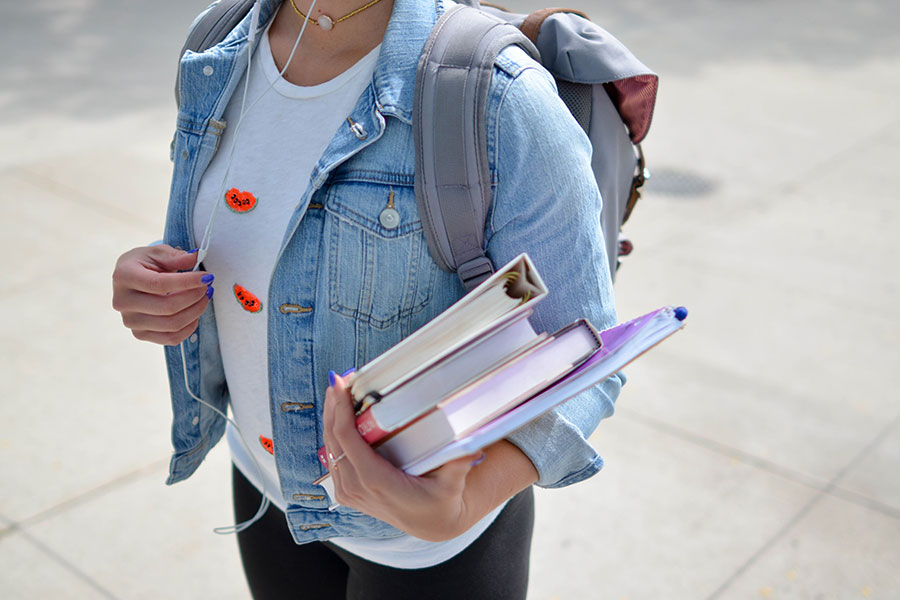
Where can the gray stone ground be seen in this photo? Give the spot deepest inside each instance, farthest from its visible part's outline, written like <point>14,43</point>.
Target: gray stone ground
<point>755,455</point>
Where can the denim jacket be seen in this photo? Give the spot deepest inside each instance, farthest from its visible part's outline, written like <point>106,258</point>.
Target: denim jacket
<point>346,287</point>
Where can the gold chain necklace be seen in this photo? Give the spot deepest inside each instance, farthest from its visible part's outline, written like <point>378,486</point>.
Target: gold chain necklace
<point>326,22</point>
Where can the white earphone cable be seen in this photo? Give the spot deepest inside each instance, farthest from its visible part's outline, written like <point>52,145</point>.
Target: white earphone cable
<point>207,237</point>
<point>264,504</point>
<point>207,234</point>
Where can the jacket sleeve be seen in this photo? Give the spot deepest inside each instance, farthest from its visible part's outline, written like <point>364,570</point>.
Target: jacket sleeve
<point>546,203</point>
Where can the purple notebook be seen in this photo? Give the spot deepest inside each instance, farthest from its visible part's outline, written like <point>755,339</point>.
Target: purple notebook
<point>621,345</point>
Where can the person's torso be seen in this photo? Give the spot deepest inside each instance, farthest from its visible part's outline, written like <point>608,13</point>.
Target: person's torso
<point>352,265</point>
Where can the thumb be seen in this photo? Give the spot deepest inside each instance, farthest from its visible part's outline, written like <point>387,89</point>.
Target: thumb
<point>169,259</point>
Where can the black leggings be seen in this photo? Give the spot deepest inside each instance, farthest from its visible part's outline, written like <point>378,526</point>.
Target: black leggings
<point>493,567</point>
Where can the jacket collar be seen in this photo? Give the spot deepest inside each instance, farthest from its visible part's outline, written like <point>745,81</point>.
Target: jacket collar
<point>395,72</point>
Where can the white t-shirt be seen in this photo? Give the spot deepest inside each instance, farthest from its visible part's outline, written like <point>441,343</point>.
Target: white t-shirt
<point>283,133</point>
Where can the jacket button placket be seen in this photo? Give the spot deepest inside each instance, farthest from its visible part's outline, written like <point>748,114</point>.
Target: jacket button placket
<point>294,392</point>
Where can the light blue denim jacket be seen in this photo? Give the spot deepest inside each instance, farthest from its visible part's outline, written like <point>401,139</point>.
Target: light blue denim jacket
<point>364,287</point>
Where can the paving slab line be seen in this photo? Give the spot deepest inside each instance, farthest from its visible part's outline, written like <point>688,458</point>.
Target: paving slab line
<point>827,490</point>
<point>84,497</point>
<point>21,528</point>
<point>68,566</point>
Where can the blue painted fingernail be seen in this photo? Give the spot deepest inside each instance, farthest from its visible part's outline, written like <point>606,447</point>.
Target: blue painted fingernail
<point>681,313</point>
<point>331,376</point>
<point>194,250</point>
<point>207,279</point>
<point>479,460</point>
<point>348,371</point>
<point>210,291</point>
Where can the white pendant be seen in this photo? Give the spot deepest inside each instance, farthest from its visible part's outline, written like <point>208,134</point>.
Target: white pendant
<point>325,22</point>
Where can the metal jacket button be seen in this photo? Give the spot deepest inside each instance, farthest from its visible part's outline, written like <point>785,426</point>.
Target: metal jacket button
<point>294,308</point>
<point>389,218</point>
<point>358,130</point>
<point>302,497</point>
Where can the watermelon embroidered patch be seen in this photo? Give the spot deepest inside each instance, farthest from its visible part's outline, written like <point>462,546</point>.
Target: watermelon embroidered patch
<point>239,201</point>
<point>248,301</point>
<point>268,444</point>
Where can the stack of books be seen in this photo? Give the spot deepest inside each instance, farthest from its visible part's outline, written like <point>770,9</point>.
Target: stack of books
<point>479,371</point>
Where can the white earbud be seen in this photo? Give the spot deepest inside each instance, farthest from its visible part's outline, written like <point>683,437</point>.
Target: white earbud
<point>254,21</point>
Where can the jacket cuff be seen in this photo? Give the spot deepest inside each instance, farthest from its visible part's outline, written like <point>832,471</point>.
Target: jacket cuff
<point>554,446</point>
<point>556,443</point>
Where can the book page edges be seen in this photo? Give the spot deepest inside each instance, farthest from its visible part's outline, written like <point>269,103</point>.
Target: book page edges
<point>389,425</point>
<point>521,264</point>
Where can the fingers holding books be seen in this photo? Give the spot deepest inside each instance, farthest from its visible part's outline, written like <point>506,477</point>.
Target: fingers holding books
<point>354,466</point>
<point>332,448</point>
<point>430,507</point>
<point>341,469</point>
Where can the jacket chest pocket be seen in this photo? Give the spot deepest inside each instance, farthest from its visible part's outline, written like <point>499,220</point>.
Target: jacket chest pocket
<point>379,268</point>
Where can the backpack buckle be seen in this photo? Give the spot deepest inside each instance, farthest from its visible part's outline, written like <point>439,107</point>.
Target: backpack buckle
<point>641,175</point>
<point>475,271</point>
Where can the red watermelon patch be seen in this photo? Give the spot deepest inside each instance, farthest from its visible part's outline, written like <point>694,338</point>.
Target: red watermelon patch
<point>268,444</point>
<point>248,301</point>
<point>239,201</point>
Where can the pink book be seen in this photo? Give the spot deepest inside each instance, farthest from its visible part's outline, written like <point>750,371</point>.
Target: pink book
<point>493,394</point>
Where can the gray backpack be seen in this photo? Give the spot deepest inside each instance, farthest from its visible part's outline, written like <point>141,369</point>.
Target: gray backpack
<point>610,93</point>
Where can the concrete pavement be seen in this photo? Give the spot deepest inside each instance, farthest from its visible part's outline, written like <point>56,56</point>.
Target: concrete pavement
<point>755,455</point>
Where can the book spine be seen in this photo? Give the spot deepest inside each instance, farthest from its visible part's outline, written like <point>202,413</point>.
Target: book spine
<point>368,428</point>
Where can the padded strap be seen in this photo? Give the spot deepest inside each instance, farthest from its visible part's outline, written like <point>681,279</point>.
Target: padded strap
<point>452,178</point>
<point>210,29</point>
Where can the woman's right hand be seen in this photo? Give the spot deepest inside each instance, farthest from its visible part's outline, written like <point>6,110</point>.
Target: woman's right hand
<point>159,303</point>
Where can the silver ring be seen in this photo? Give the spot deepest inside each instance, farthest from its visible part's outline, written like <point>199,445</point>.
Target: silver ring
<point>334,460</point>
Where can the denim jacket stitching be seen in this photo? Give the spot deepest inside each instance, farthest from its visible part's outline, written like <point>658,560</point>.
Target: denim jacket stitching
<point>405,310</point>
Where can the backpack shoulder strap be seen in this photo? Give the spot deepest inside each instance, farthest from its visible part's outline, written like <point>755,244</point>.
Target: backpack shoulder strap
<point>210,28</point>
<point>452,179</point>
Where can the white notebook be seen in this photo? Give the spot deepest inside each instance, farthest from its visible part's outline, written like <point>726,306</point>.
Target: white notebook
<point>505,296</point>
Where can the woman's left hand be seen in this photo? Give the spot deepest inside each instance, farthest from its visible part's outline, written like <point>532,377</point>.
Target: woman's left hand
<point>431,507</point>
